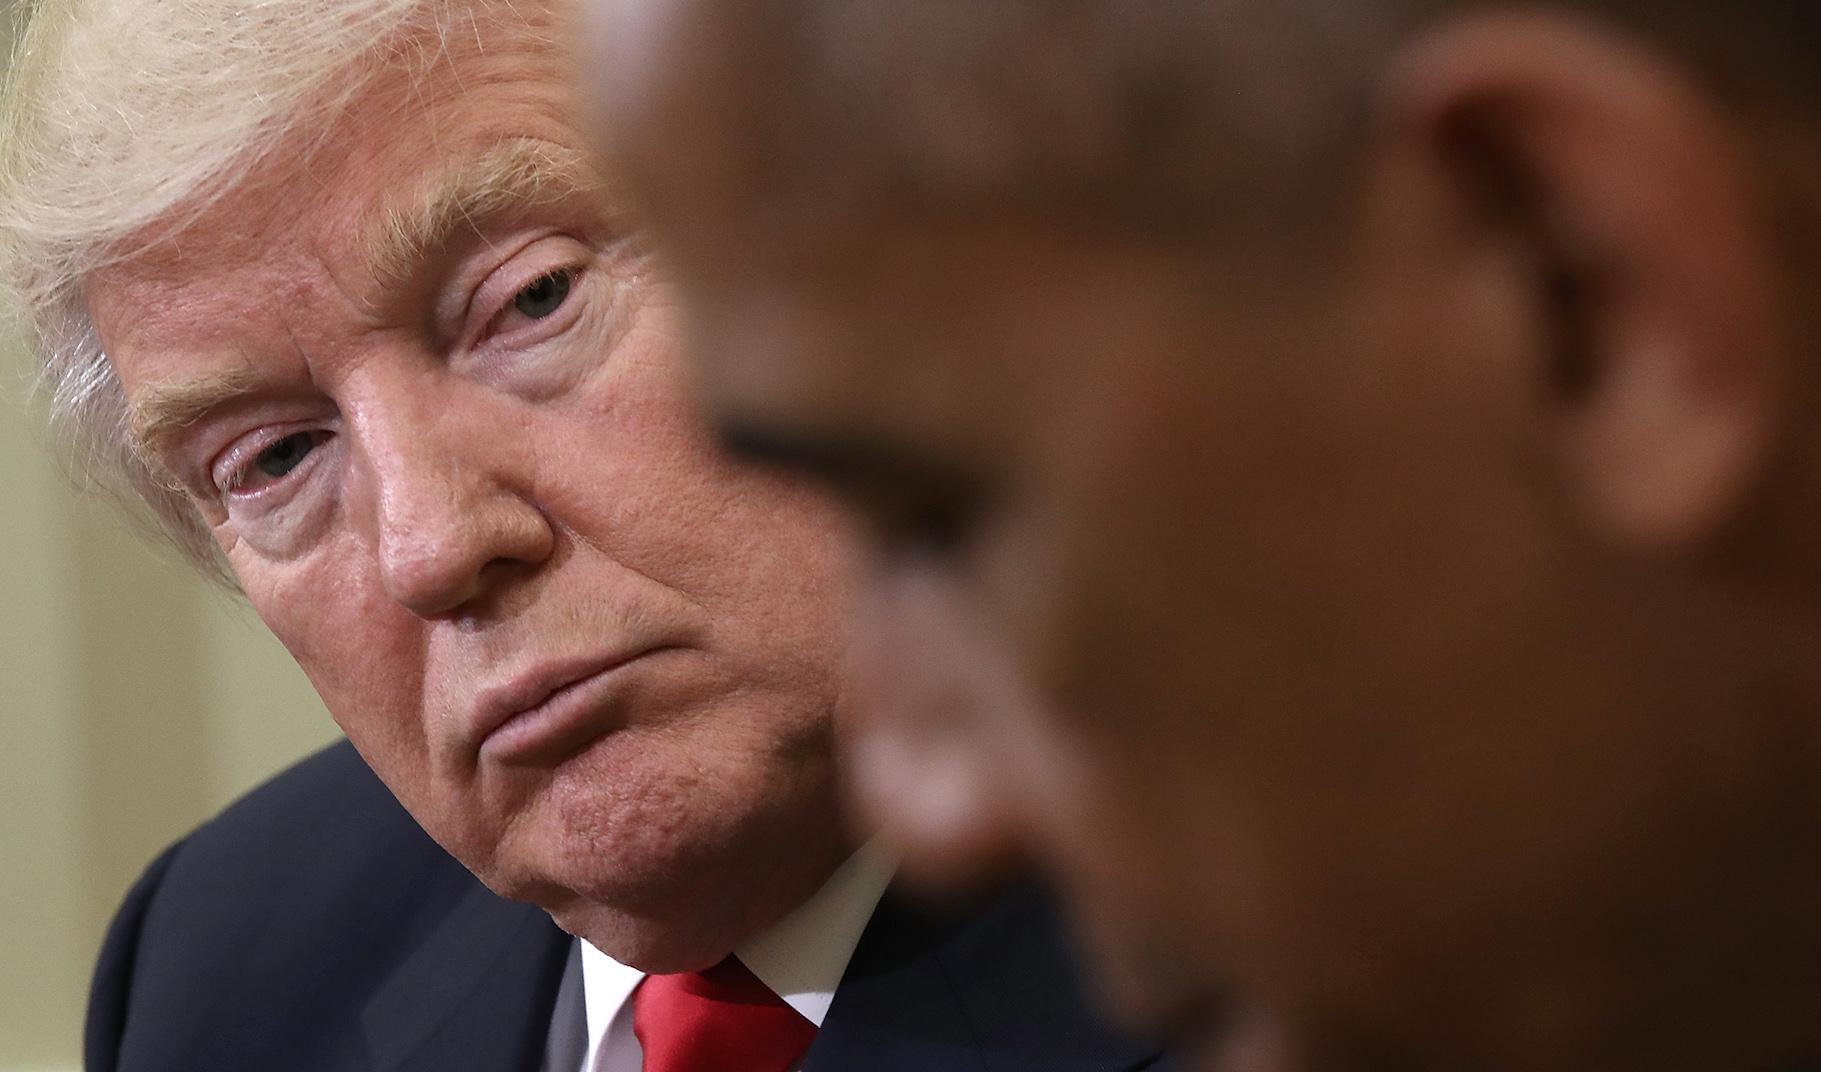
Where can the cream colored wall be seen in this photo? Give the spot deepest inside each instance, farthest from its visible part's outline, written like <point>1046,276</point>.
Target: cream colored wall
<point>135,701</point>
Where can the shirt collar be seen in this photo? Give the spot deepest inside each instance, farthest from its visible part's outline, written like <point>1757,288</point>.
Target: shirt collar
<point>801,958</point>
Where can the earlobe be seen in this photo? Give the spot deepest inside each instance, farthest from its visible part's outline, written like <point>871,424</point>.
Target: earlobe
<point>1653,284</point>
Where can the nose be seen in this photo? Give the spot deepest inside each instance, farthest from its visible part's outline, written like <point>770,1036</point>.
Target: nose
<point>450,515</point>
<point>930,760</point>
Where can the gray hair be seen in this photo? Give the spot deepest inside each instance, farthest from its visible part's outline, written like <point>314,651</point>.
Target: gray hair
<point>123,114</point>
<point>1154,115</point>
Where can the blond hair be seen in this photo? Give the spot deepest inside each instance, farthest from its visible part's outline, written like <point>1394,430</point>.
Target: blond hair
<point>121,114</point>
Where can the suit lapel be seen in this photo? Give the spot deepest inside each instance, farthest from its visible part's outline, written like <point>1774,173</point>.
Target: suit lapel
<point>896,1010</point>
<point>996,993</point>
<point>477,995</point>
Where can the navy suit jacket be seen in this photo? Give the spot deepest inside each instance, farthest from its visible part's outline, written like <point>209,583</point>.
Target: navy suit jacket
<point>314,926</point>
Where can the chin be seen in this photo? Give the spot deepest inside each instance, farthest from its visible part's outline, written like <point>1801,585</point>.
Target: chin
<point>658,946</point>
<point>657,911</point>
<point>685,912</point>
<point>668,867</point>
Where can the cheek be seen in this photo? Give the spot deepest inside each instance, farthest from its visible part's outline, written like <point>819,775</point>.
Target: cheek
<point>1080,677</point>
<point>948,753</point>
<point>1113,597</point>
<point>927,671</point>
<point>362,653</point>
<point>630,462</point>
<point>633,471</point>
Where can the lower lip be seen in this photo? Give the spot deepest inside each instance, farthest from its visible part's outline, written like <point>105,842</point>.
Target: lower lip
<point>568,720</point>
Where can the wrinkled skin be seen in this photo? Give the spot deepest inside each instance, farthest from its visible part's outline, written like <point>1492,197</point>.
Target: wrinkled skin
<point>433,481</point>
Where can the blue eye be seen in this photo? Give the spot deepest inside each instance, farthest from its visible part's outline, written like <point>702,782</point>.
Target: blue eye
<point>286,454</point>
<point>545,295</point>
<point>276,461</point>
<point>241,472</point>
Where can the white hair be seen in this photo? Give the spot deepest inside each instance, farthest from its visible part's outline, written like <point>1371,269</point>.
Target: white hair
<point>118,115</point>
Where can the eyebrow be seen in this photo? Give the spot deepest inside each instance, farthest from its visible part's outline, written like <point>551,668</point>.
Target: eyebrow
<point>514,175</point>
<point>393,243</point>
<point>162,411</point>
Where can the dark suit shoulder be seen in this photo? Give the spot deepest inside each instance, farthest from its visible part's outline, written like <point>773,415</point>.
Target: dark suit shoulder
<point>321,853</point>
<point>329,800</point>
<point>255,940</point>
<point>113,982</point>
<point>997,990</point>
<point>1044,1014</point>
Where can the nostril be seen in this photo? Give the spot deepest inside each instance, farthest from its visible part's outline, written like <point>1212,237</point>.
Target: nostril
<point>439,557</point>
<point>429,575</point>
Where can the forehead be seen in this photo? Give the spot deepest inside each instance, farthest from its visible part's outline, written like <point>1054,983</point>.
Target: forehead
<point>441,111</point>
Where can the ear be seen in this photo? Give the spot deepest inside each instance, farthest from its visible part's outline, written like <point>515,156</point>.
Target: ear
<point>1652,265</point>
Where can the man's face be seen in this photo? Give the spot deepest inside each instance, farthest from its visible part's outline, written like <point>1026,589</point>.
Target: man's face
<point>424,389</point>
<point>1320,715</point>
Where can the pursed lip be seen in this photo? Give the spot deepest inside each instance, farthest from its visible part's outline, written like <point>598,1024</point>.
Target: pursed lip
<point>538,694</point>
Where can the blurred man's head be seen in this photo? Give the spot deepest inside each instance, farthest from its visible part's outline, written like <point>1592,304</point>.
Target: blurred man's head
<point>1378,430</point>
<point>333,286</point>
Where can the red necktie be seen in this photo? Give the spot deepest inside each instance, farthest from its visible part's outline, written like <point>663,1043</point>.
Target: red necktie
<point>720,1020</point>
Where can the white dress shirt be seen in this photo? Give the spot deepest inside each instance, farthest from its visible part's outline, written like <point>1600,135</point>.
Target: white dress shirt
<point>801,958</point>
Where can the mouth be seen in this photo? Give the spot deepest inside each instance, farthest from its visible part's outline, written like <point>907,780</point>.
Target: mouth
<point>552,710</point>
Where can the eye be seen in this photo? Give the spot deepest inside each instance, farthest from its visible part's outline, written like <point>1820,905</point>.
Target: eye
<point>275,461</point>
<point>536,302</point>
<point>933,521</point>
<point>545,295</point>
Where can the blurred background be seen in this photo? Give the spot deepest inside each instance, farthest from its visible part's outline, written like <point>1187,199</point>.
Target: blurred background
<point>135,701</point>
